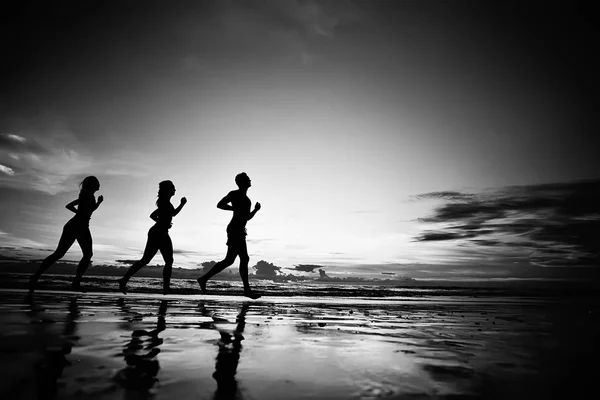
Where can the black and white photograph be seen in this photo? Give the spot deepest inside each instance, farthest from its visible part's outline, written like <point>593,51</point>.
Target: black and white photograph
<point>299,199</point>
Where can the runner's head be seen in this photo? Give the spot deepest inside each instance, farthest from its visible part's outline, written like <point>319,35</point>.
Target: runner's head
<point>243,181</point>
<point>88,186</point>
<point>166,190</point>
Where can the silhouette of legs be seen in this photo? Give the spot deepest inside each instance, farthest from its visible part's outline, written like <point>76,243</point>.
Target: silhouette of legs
<point>85,242</point>
<point>67,238</point>
<point>153,244</point>
<point>244,259</point>
<point>232,252</point>
<point>166,250</point>
<point>218,267</point>
<point>157,240</point>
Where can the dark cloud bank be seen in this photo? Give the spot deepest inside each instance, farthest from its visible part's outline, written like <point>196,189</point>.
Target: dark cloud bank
<point>262,270</point>
<point>557,224</point>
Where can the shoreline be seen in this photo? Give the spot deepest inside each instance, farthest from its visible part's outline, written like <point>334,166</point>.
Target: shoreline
<point>151,286</point>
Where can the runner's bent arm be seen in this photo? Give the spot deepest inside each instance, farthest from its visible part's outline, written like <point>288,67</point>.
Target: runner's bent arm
<point>224,203</point>
<point>71,206</point>
<point>256,208</point>
<point>181,204</point>
<point>100,200</point>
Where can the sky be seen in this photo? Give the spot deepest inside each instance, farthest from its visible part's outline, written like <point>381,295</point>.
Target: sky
<point>423,139</point>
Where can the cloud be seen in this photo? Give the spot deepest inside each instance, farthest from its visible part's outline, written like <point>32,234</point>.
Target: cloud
<point>265,269</point>
<point>4,258</point>
<point>307,18</point>
<point>20,144</point>
<point>447,195</point>
<point>207,265</point>
<point>398,279</point>
<point>7,170</point>
<point>263,240</point>
<point>556,224</point>
<point>307,267</point>
<point>293,29</point>
<point>437,236</point>
<point>43,155</point>
<point>19,242</point>
<point>13,246</point>
<point>295,246</point>
<point>12,138</point>
<point>186,253</point>
<point>126,261</point>
<point>123,162</point>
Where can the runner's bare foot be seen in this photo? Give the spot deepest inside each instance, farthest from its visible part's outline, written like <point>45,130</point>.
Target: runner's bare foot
<point>251,294</point>
<point>202,284</point>
<point>123,286</point>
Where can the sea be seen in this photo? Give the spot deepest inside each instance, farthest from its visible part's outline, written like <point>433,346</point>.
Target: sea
<point>304,290</point>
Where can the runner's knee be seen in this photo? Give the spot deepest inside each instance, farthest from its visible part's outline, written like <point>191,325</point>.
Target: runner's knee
<point>228,261</point>
<point>57,255</point>
<point>144,260</point>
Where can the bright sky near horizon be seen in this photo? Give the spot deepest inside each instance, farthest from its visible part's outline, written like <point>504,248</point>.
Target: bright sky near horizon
<point>342,114</point>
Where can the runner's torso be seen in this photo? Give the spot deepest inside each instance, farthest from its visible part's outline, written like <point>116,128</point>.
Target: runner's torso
<point>241,209</point>
<point>85,208</point>
<point>165,215</point>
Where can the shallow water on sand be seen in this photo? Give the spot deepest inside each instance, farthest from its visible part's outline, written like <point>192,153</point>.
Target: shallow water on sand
<point>104,346</point>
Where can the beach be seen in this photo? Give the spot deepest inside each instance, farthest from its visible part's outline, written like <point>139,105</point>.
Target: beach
<point>105,345</point>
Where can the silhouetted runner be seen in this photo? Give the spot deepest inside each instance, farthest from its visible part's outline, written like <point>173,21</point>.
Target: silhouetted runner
<point>158,236</point>
<point>236,233</point>
<point>77,228</point>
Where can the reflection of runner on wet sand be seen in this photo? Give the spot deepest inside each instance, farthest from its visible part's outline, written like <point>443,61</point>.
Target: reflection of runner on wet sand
<point>139,376</point>
<point>50,368</point>
<point>230,346</point>
<point>236,233</point>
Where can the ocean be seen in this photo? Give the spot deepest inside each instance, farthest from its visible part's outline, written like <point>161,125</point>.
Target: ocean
<point>298,290</point>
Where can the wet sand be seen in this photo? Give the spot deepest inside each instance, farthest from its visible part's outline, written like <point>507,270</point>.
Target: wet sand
<point>105,346</point>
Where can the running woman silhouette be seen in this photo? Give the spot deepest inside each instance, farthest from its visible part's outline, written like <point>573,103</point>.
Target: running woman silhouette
<point>236,233</point>
<point>158,236</point>
<point>77,228</point>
